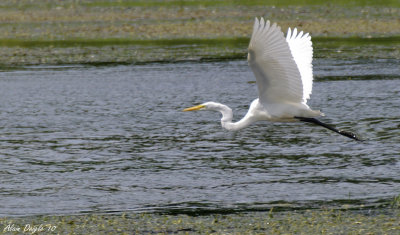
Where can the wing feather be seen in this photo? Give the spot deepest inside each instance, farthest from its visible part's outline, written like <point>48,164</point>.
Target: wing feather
<point>277,74</point>
<point>301,47</point>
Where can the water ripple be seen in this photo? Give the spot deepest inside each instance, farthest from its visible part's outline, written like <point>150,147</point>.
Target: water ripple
<point>84,139</point>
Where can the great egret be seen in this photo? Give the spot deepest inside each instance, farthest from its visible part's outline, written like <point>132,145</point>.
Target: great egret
<point>283,71</point>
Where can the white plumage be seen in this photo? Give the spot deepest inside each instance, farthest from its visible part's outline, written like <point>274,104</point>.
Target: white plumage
<point>278,77</point>
<point>283,70</point>
<point>301,48</point>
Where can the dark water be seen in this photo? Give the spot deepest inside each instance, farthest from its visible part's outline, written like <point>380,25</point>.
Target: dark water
<point>109,139</point>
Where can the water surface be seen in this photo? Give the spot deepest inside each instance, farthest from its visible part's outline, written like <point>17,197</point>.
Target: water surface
<point>77,139</point>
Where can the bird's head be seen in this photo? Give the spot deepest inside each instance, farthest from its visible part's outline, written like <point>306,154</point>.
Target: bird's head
<point>205,106</point>
<point>213,106</point>
<point>226,120</point>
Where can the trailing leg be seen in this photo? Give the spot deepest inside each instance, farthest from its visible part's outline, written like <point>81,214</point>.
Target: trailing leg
<point>317,122</point>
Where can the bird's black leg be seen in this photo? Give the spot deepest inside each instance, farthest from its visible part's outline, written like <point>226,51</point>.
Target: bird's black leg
<point>317,122</point>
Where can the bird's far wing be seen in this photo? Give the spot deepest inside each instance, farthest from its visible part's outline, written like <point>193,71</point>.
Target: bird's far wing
<point>276,72</point>
<point>301,47</point>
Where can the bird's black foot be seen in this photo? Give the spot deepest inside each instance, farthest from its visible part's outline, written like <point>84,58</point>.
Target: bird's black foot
<point>350,135</point>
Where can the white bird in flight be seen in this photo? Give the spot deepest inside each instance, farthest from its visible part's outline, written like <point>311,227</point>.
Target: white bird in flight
<point>283,70</point>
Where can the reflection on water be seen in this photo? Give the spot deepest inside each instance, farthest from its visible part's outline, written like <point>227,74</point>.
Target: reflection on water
<point>83,139</point>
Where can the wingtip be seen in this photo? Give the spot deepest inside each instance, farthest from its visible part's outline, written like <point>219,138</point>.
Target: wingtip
<point>262,21</point>
<point>289,33</point>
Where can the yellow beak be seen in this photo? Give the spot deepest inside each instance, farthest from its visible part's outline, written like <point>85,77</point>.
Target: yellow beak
<point>194,108</point>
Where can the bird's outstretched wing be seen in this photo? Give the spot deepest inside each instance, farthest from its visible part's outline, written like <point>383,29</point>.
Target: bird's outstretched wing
<point>278,77</point>
<point>301,47</point>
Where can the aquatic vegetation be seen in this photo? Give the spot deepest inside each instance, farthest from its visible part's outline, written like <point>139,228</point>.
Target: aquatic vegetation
<point>396,202</point>
<point>304,222</point>
<point>126,31</point>
<point>16,52</point>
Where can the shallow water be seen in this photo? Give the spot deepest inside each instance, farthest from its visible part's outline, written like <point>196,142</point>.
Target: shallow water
<point>77,139</point>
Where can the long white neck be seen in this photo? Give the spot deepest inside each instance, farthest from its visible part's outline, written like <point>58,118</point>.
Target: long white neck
<point>227,116</point>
